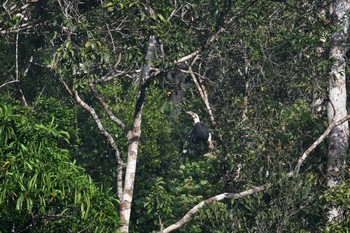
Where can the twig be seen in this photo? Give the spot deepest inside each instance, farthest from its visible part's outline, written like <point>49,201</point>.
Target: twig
<point>110,75</point>
<point>17,38</point>
<point>188,216</point>
<point>28,66</point>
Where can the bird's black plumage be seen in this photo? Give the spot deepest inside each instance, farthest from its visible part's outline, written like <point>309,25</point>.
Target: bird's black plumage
<point>199,133</point>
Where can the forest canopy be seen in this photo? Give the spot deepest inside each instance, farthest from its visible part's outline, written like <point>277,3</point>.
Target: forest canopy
<point>95,131</point>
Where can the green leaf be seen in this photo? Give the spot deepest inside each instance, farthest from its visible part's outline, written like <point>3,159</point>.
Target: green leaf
<point>19,202</point>
<point>29,202</point>
<point>204,182</point>
<point>108,4</point>
<point>161,18</point>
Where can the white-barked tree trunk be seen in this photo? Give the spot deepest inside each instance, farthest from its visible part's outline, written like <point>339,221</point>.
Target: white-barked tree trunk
<point>338,139</point>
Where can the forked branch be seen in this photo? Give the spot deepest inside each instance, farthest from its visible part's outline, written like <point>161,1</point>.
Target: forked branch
<point>119,172</point>
<point>109,138</point>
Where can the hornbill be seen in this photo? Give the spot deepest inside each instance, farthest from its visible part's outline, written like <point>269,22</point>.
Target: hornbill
<point>199,133</point>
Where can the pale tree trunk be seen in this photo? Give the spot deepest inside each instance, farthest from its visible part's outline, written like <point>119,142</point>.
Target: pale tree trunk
<point>338,139</point>
<point>125,194</point>
<point>133,138</point>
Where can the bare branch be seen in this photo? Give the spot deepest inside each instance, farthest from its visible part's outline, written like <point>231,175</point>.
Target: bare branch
<point>9,82</point>
<point>109,138</point>
<point>19,28</point>
<point>114,73</point>
<point>7,10</point>
<point>66,86</point>
<point>188,216</point>
<point>103,131</point>
<point>105,106</point>
<point>332,124</point>
<point>203,93</point>
<point>13,9</point>
<point>110,75</point>
<point>174,11</point>
<point>112,40</point>
<point>188,57</point>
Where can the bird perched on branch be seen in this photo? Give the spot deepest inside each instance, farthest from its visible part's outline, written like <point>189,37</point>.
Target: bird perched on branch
<point>199,133</point>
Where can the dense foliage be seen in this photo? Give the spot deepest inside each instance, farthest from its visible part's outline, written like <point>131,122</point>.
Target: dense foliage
<point>263,65</point>
<point>42,188</point>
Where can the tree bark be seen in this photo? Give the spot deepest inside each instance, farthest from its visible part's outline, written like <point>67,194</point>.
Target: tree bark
<point>134,137</point>
<point>338,139</point>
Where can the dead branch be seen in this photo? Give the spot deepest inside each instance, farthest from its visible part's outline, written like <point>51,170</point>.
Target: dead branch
<point>188,216</point>
<point>331,125</point>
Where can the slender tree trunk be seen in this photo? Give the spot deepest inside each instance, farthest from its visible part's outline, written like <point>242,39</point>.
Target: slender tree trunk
<point>338,139</point>
<point>134,138</point>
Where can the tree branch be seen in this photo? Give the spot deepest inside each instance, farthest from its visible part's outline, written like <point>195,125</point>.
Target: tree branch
<point>144,78</point>
<point>109,138</point>
<point>203,93</point>
<point>66,87</point>
<point>105,106</point>
<point>9,82</point>
<point>214,37</point>
<point>134,136</point>
<point>331,125</point>
<point>23,27</point>
<point>187,57</point>
<point>228,23</point>
<point>22,96</point>
<point>188,216</point>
